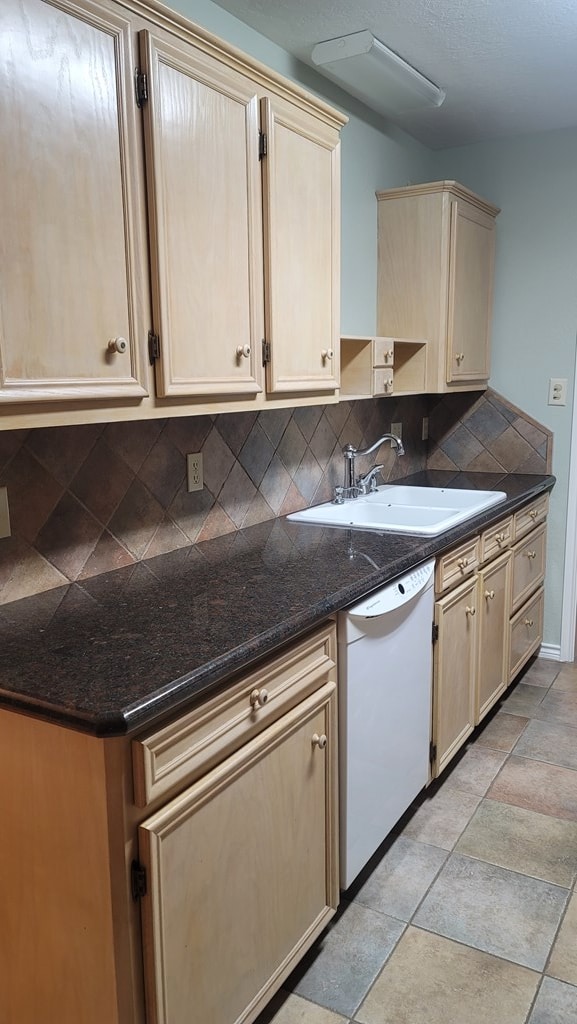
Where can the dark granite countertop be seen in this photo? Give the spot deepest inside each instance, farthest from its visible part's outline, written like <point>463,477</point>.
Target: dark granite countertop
<point>116,652</point>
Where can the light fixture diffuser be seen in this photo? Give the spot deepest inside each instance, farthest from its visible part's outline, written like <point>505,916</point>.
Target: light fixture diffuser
<point>367,69</point>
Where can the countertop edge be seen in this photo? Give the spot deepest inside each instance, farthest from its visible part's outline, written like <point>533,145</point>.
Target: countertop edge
<point>205,680</point>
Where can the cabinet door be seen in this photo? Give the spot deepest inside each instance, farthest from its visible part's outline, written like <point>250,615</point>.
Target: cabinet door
<point>455,663</point>
<point>242,872</point>
<point>72,263</point>
<point>528,570</point>
<point>472,242</point>
<point>302,249</point>
<point>493,604</point>
<point>204,194</point>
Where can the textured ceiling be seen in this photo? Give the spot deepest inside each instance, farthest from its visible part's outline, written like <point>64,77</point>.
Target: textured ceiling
<point>508,66</point>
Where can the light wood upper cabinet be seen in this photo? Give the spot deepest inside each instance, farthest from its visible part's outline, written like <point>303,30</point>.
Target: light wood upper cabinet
<point>73,288</point>
<point>472,243</point>
<point>202,147</point>
<point>227,170</point>
<point>435,278</point>
<point>224,164</point>
<point>301,172</point>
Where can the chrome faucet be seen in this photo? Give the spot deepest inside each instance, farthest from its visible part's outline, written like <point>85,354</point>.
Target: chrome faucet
<point>369,481</point>
<point>353,487</point>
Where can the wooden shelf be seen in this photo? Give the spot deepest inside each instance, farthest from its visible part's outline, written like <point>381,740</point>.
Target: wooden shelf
<point>378,367</point>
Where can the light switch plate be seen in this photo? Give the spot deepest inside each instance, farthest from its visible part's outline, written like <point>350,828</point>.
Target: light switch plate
<point>4,513</point>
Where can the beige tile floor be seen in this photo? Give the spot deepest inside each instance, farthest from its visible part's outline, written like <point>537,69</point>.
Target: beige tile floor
<point>468,913</point>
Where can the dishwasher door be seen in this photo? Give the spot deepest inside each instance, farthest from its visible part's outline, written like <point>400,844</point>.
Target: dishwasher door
<point>385,671</point>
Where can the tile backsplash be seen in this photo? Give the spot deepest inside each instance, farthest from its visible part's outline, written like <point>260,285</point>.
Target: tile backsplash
<point>87,499</point>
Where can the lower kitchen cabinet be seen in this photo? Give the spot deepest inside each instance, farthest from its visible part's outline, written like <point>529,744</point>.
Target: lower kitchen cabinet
<point>238,872</point>
<point>181,875</point>
<point>488,623</point>
<point>493,652</point>
<point>454,671</point>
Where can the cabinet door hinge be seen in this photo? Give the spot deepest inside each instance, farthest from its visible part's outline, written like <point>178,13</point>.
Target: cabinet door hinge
<point>435,633</point>
<point>265,352</point>
<point>262,145</point>
<point>140,86</point>
<point>153,347</point>
<point>432,752</point>
<point>137,880</point>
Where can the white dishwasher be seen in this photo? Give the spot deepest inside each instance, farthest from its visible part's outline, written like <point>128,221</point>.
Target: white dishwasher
<point>385,670</point>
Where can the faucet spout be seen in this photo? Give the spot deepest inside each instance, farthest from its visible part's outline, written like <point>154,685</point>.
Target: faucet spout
<point>396,441</point>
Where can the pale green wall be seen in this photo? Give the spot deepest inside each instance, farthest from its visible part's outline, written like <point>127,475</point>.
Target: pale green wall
<point>533,179</point>
<point>372,157</point>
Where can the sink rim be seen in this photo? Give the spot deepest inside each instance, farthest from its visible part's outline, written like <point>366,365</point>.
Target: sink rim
<point>341,516</point>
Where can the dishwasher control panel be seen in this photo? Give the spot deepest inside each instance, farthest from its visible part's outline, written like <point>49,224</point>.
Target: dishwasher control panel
<point>394,594</point>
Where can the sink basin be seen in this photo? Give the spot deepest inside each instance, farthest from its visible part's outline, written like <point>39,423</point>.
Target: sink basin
<point>400,508</point>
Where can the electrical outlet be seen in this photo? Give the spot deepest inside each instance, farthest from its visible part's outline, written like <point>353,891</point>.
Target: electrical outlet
<point>4,513</point>
<point>194,474</point>
<point>397,430</point>
<point>558,391</point>
<point>425,429</point>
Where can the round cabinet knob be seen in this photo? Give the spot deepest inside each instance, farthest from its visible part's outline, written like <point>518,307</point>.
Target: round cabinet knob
<point>463,563</point>
<point>258,698</point>
<point>528,622</point>
<point>531,554</point>
<point>118,345</point>
<point>390,354</point>
<point>243,350</point>
<point>326,353</point>
<point>500,538</point>
<point>489,594</point>
<point>319,741</point>
<point>469,611</point>
<point>388,385</point>
<point>533,513</point>
<point>459,357</point>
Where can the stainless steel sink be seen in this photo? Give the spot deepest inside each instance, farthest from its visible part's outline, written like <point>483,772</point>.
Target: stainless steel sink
<point>399,508</point>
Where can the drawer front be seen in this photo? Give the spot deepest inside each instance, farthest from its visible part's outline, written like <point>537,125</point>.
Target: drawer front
<point>529,517</point>
<point>526,633</point>
<point>528,566</point>
<point>179,752</point>
<point>456,565</point>
<point>382,382</point>
<point>383,351</point>
<point>496,539</point>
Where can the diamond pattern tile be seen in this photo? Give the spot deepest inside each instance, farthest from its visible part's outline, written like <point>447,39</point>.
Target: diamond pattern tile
<point>87,499</point>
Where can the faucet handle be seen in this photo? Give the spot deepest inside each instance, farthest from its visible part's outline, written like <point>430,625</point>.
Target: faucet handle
<point>339,496</point>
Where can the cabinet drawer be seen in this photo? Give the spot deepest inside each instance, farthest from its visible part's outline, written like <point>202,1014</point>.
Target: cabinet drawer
<point>528,566</point>
<point>528,517</point>
<point>456,565</point>
<point>179,752</point>
<point>496,539</point>
<point>526,633</point>
<point>383,351</point>
<point>382,382</point>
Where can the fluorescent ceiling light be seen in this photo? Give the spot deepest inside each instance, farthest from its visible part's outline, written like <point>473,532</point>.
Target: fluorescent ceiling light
<point>367,69</point>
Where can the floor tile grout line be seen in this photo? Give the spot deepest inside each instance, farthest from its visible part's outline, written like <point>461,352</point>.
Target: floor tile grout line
<point>381,968</point>
<point>556,936</point>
